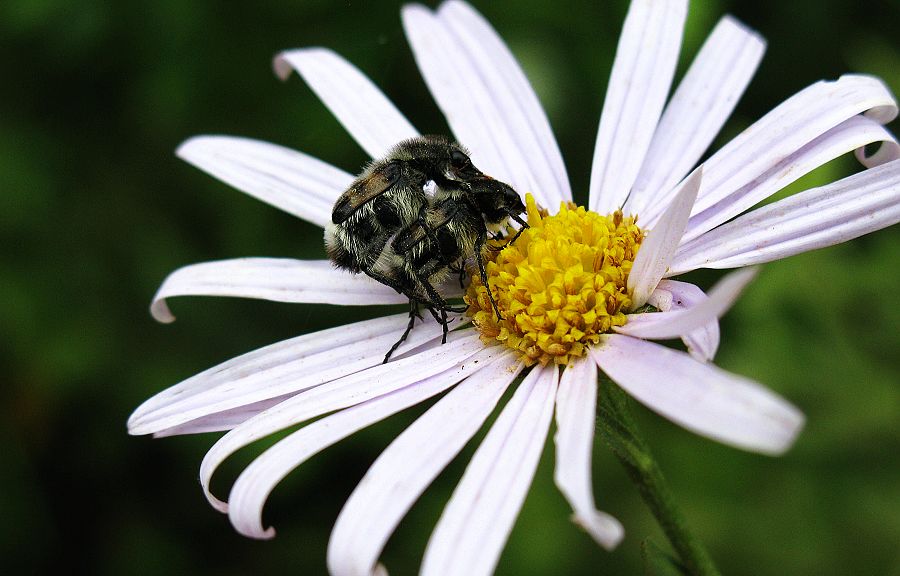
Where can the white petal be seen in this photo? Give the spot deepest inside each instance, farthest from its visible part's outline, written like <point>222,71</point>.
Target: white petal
<point>799,135</point>
<point>256,482</point>
<point>576,415</point>
<point>220,421</point>
<point>479,517</point>
<point>702,398</point>
<point>638,87</point>
<point>355,101</point>
<point>412,461</point>
<point>269,356</point>
<point>697,111</point>
<point>449,361</point>
<point>294,182</point>
<point>854,133</point>
<point>278,370</point>
<point>486,99</point>
<point>702,343</point>
<point>659,246</point>
<point>760,152</point>
<point>674,324</point>
<point>277,279</point>
<point>825,216</point>
<point>521,113</point>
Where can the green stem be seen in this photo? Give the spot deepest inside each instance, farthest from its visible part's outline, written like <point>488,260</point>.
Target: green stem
<point>620,431</point>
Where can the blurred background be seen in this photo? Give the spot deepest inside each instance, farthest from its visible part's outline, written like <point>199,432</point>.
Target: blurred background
<point>95,210</point>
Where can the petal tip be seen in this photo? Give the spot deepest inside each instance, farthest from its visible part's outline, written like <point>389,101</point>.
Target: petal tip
<point>256,532</point>
<point>133,424</point>
<point>793,422</point>
<point>136,427</point>
<point>734,22</point>
<point>288,61</point>
<point>281,67</point>
<point>410,13</point>
<point>603,528</point>
<point>186,150</point>
<point>160,312</point>
<point>787,423</point>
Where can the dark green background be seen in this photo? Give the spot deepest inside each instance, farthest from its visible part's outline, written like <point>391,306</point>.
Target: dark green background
<point>95,210</point>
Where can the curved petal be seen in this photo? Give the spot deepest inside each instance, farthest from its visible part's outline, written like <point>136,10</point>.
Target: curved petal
<point>854,133</point>
<point>355,101</point>
<point>659,246</point>
<point>768,149</point>
<point>700,397</point>
<point>674,324</point>
<point>697,111</point>
<point>350,390</point>
<point>576,415</point>
<point>638,86</point>
<point>256,482</point>
<point>486,99</point>
<point>479,517</point>
<point>701,343</point>
<point>275,371</point>
<point>286,179</point>
<point>412,461</point>
<point>276,279</point>
<point>816,218</point>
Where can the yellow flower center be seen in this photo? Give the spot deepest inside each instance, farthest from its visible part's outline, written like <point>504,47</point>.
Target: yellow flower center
<point>559,286</point>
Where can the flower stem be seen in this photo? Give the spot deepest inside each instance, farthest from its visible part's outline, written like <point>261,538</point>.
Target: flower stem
<point>620,431</point>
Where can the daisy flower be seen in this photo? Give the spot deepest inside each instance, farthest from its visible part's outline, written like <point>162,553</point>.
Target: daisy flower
<point>575,288</point>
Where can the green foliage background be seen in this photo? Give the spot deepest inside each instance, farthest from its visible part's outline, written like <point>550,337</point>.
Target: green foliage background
<point>95,210</point>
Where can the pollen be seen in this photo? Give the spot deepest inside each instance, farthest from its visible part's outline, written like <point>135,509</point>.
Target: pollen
<point>559,286</point>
